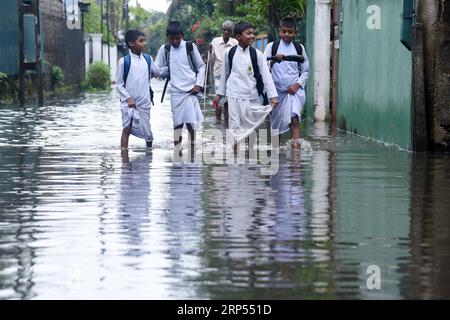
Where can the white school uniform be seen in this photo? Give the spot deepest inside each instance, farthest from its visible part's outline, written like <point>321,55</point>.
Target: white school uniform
<point>185,106</point>
<point>286,74</point>
<point>245,108</point>
<point>138,88</point>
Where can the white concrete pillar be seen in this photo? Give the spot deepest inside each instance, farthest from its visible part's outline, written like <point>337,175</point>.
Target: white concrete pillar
<point>96,47</point>
<point>322,56</point>
<point>87,52</point>
<point>114,61</point>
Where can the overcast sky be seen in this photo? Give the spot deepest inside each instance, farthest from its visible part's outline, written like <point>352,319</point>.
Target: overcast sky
<point>159,5</point>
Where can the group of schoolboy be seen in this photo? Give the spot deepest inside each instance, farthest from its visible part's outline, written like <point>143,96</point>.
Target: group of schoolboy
<point>251,86</point>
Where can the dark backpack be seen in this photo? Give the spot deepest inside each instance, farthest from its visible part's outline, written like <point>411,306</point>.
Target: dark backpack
<point>127,65</point>
<point>189,52</point>
<point>256,72</point>
<point>297,45</point>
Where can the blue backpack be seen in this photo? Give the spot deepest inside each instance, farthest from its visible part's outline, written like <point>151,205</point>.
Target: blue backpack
<point>127,65</point>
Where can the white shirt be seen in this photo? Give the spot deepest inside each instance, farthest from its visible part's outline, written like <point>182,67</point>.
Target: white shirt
<point>219,47</point>
<point>286,73</point>
<point>182,77</point>
<point>138,81</point>
<point>241,83</point>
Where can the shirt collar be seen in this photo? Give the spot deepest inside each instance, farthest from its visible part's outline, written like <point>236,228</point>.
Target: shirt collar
<point>182,44</point>
<point>135,55</point>
<point>243,50</point>
<point>226,44</point>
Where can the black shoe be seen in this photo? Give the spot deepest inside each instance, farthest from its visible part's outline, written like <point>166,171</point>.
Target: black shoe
<point>149,144</point>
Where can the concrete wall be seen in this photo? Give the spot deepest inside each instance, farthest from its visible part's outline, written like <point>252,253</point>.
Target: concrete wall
<point>63,46</point>
<point>435,17</point>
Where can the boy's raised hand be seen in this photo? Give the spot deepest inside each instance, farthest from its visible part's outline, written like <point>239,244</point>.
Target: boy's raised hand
<point>274,102</point>
<point>131,103</point>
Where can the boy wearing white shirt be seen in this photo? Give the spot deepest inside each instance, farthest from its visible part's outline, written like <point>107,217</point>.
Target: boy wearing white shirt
<point>244,81</point>
<point>133,84</point>
<point>181,62</point>
<point>290,79</point>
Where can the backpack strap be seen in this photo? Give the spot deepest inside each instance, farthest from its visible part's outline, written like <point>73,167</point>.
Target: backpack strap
<point>167,52</point>
<point>257,75</point>
<point>298,48</point>
<point>191,58</point>
<point>126,67</point>
<point>230,59</point>
<point>275,46</point>
<point>149,63</point>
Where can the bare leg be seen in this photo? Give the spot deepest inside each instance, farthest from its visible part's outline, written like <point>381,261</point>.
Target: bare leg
<point>218,114</point>
<point>178,134</point>
<point>191,131</point>
<point>125,136</point>
<point>225,114</point>
<point>295,132</point>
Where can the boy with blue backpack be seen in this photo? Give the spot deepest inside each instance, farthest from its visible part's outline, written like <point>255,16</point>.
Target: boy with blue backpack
<point>133,76</point>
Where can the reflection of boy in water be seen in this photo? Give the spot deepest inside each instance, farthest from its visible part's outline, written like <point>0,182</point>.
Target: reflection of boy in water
<point>134,197</point>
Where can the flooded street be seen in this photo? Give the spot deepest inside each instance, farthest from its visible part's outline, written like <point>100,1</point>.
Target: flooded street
<point>77,220</point>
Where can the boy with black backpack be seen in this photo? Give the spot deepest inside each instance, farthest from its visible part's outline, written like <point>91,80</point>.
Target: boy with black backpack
<point>247,83</point>
<point>180,63</point>
<point>133,76</point>
<point>290,78</point>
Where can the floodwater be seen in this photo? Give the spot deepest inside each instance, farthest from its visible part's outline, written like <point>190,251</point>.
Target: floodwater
<point>78,220</point>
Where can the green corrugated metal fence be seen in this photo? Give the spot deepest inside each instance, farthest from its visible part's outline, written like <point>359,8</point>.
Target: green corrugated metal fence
<point>375,95</point>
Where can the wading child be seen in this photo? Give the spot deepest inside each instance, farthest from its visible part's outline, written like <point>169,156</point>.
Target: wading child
<point>290,79</point>
<point>181,63</point>
<point>133,83</point>
<point>245,76</point>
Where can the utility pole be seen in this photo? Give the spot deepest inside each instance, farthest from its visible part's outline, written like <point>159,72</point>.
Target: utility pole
<point>335,62</point>
<point>31,8</point>
<point>230,7</point>
<point>21,55</point>
<point>127,15</point>
<point>113,18</point>
<point>273,21</point>
<point>101,26</point>
<point>37,37</point>
<point>107,32</point>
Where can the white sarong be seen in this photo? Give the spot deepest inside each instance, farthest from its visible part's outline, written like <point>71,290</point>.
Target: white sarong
<point>139,119</point>
<point>289,106</point>
<point>186,109</point>
<point>245,116</point>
